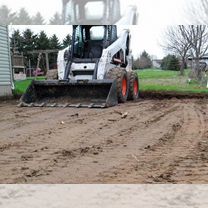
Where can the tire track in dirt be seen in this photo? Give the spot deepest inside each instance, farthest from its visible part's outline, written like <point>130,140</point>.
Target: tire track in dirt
<point>76,155</point>
<point>194,127</point>
<point>99,147</point>
<point>127,172</point>
<point>68,119</point>
<point>194,167</point>
<point>165,160</point>
<point>40,136</point>
<point>41,139</point>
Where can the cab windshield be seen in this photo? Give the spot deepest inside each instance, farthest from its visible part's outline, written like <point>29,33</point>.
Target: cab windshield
<point>88,41</point>
<point>85,11</point>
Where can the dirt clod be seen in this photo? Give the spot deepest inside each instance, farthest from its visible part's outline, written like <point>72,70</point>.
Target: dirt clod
<point>124,115</point>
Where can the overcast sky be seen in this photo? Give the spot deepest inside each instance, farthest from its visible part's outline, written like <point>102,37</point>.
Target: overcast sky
<point>154,16</point>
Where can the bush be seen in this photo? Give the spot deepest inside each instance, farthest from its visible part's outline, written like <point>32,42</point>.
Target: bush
<point>143,62</point>
<point>170,62</point>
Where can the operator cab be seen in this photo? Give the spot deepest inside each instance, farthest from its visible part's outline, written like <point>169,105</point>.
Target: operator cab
<point>88,43</point>
<point>94,12</point>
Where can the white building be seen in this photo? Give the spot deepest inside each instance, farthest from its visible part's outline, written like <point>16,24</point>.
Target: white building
<point>204,59</point>
<point>156,63</point>
<point>6,80</point>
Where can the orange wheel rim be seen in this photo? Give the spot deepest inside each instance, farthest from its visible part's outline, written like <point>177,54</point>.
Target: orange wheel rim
<point>136,87</point>
<point>124,86</point>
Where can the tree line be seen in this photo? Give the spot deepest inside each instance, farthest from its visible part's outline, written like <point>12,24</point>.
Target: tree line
<point>22,17</point>
<point>144,61</point>
<point>182,43</point>
<point>27,41</point>
<point>187,42</point>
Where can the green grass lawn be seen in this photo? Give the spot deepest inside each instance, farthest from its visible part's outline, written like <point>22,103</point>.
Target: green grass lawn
<point>170,81</point>
<point>150,80</point>
<point>156,74</point>
<point>21,86</point>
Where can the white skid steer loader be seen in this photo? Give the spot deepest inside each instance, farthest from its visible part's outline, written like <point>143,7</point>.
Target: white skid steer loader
<point>98,72</point>
<point>98,12</point>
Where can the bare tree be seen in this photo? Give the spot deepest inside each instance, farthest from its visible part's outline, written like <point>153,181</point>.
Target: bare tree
<point>177,43</point>
<point>198,12</point>
<point>197,36</point>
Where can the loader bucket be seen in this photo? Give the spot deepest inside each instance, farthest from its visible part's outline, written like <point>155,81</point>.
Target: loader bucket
<point>91,94</point>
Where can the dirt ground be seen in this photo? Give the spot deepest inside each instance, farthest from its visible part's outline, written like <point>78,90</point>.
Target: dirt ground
<point>150,141</point>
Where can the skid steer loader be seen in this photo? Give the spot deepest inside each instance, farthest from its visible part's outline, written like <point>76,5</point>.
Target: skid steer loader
<point>97,12</point>
<point>98,72</point>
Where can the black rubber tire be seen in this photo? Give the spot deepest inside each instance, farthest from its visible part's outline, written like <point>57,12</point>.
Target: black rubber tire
<point>119,74</point>
<point>132,76</point>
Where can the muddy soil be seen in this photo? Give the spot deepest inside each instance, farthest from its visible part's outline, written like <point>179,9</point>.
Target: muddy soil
<point>150,141</point>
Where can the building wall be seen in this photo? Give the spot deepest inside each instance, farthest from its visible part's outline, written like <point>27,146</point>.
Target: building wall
<point>156,64</point>
<point>5,64</point>
<point>191,62</point>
